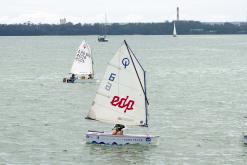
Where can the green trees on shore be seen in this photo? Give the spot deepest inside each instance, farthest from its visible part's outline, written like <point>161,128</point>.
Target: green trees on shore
<point>165,28</point>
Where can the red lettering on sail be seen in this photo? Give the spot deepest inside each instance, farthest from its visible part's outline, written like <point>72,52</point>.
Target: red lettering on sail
<point>122,103</point>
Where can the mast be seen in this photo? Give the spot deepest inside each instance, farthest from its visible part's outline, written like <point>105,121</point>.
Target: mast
<point>146,102</point>
<point>105,25</point>
<point>129,49</point>
<point>92,62</point>
<point>143,86</point>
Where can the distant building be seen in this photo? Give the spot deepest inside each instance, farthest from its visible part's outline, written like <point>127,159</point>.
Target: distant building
<point>62,21</point>
<point>28,23</point>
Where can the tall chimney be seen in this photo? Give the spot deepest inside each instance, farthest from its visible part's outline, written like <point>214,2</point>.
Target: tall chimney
<point>177,13</point>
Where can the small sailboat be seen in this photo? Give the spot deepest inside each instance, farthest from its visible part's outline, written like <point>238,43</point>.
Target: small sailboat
<point>174,30</point>
<point>121,99</point>
<point>102,37</point>
<point>82,68</point>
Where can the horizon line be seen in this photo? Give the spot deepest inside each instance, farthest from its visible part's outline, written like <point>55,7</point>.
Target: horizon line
<point>109,23</point>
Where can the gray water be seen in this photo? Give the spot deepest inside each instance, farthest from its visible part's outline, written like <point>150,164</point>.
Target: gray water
<point>197,89</point>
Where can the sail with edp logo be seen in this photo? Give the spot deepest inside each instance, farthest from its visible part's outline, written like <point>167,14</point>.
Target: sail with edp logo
<point>124,77</point>
<point>121,98</point>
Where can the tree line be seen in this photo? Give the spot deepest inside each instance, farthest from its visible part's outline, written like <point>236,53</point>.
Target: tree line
<point>165,28</point>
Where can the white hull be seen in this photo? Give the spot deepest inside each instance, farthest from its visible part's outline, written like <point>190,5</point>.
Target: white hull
<point>109,139</point>
<point>245,138</point>
<point>80,79</point>
<point>84,80</point>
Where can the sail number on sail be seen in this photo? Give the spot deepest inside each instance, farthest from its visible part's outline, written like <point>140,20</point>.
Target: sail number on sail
<point>109,83</point>
<point>122,103</point>
<point>81,56</point>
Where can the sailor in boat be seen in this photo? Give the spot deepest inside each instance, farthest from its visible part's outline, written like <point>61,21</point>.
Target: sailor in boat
<point>72,78</point>
<point>118,129</point>
<point>90,76</point>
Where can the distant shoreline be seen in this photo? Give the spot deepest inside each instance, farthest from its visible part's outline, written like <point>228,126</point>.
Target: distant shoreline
<point>165,28</point>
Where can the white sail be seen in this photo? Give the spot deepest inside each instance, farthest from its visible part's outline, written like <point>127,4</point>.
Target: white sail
<point>121,97</point>
<point>83,62</point>
<point>174,30</point>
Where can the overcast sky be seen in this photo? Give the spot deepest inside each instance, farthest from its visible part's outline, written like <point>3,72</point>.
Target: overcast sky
<point>91,11</point>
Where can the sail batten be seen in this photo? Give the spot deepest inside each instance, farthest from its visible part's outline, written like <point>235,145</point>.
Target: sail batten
<point>124,83</point>
<point>126,86</point>
<point>117,112</point>
<point>114,66</point>
<point>103,95</point>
